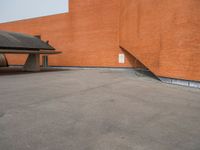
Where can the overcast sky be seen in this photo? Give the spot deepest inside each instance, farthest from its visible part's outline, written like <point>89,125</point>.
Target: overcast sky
<point>12,10</point>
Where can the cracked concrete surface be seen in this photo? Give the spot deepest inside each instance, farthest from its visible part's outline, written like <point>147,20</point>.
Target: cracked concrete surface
<point>96,110</point>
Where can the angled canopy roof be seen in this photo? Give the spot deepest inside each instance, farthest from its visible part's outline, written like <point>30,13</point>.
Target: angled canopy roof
<point>18,41</point>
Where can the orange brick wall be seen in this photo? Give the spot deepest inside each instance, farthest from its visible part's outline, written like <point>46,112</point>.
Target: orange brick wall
<point>164,35</point>
<point>88,35</point>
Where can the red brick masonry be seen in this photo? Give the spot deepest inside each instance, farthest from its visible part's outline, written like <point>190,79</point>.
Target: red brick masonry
<point>162,34</point>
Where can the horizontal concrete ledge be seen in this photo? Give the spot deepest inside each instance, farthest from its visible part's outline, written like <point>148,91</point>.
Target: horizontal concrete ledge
<point>88,67</point>
<point>188,83</point>
<point>91,67</point>
<point>46,52</point>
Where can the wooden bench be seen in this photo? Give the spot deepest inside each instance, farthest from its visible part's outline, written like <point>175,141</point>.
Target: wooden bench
<point>33,60</point>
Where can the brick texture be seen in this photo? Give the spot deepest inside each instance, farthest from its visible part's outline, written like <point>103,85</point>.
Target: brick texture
<point>164,35</point>
<point>88,35</point>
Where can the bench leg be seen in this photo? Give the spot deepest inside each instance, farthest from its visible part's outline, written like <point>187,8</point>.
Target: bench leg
<point>32,63</point>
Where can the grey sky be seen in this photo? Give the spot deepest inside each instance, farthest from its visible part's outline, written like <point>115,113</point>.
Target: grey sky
<point>12,10</point>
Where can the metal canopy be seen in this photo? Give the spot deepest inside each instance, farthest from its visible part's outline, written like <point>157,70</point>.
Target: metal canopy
<point>18,41</point>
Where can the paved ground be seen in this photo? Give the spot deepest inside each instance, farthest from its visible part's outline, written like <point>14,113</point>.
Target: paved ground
<point>96,110</point>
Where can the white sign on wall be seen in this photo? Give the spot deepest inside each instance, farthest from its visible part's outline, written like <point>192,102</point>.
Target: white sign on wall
<point>13,10</point>
<point>121,58</point>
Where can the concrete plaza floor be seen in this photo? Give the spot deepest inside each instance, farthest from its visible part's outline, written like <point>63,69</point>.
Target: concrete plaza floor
<point>98,109</point>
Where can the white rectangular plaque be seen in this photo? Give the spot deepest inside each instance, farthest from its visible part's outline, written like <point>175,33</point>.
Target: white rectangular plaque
<point>121,58</point>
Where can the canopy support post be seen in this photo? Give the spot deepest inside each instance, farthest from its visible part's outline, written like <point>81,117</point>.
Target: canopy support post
<point>32,63</point>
